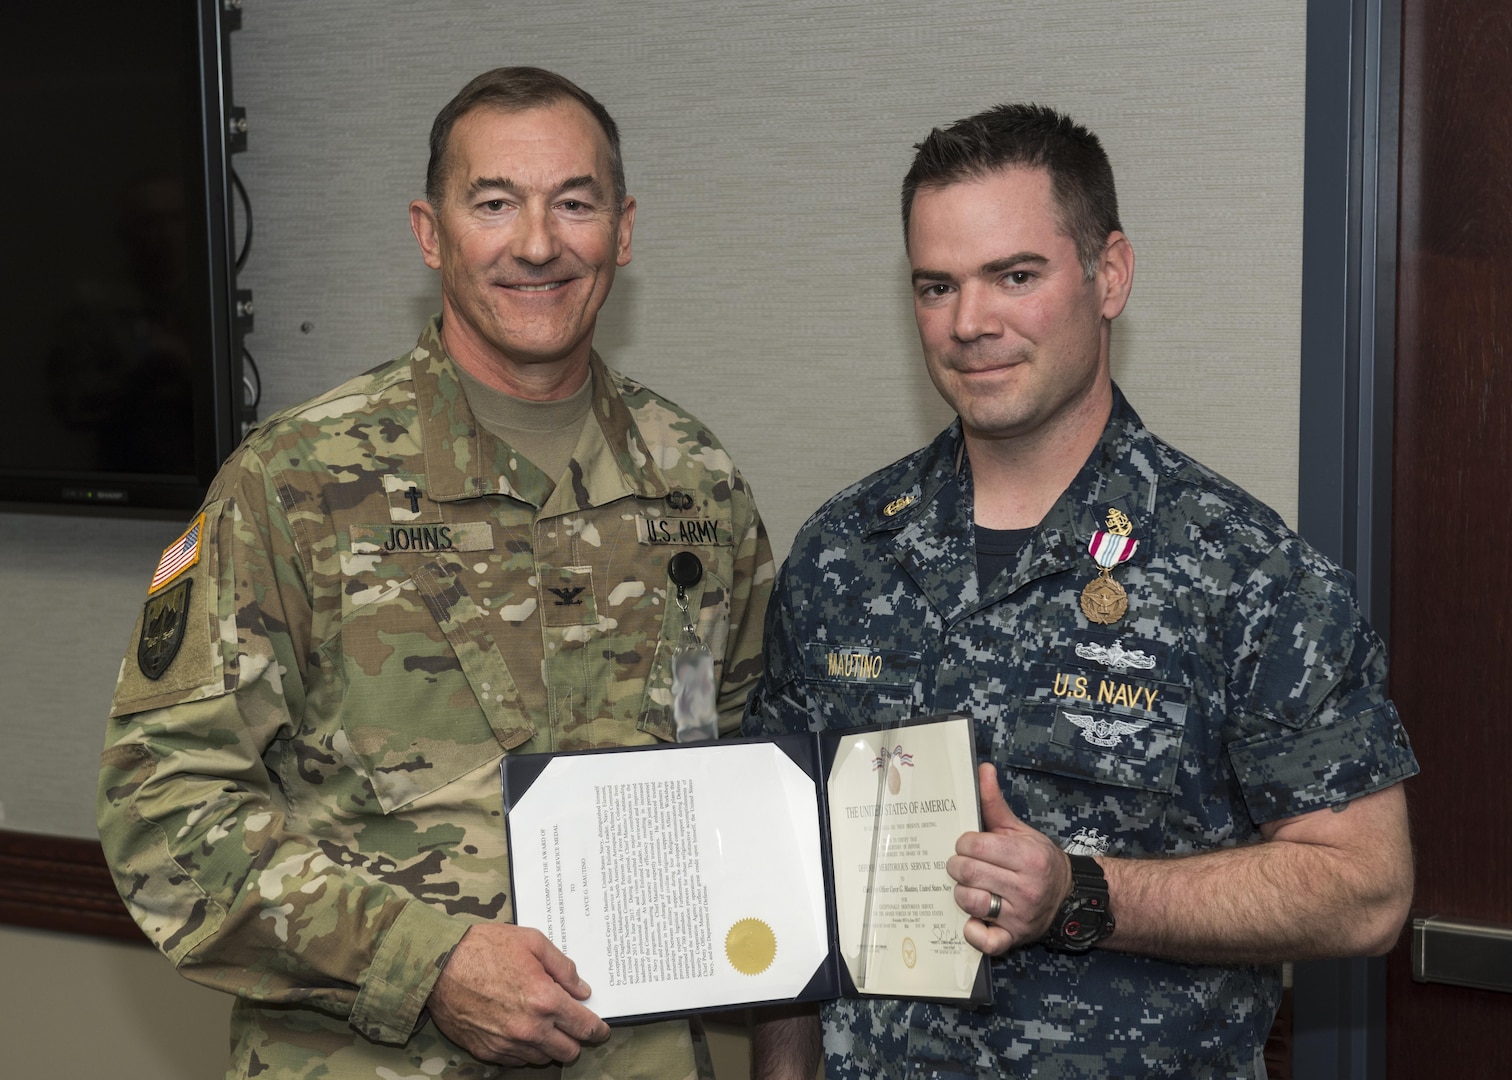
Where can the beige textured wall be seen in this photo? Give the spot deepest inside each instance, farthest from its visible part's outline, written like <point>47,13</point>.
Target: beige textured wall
<point>765,140</point>
<point>80,1007</point>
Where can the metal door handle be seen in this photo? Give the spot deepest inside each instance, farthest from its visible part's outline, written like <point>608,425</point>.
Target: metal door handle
<point>1462,952</point>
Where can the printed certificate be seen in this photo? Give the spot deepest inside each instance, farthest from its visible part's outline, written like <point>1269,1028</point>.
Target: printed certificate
<point>898,800</point>
<point>677,880</point>
<point>705,876</point>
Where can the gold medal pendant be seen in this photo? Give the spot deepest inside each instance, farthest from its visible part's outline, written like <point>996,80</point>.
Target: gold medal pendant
<point>1104,600</point>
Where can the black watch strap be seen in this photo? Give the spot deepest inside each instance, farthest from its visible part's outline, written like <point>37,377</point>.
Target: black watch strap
<point>1085,917</point>
<point>1087,875</point>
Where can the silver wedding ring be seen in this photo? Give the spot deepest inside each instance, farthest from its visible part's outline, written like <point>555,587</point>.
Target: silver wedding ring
<point>993,908</point>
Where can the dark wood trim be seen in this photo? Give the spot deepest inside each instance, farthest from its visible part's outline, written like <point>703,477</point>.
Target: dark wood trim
<point>60,883</point>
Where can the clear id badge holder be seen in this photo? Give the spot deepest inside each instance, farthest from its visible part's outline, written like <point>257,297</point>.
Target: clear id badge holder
<point>694,695</point>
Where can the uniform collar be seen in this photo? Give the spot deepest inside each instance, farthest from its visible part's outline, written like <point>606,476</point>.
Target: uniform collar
<point>1121,471</point>
<point>927,509</point>
<point>465,461</point>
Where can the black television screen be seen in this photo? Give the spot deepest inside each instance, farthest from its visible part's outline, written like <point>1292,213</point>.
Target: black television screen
<point>119,290</point>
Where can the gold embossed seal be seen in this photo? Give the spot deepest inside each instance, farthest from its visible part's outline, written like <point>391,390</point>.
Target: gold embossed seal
<point>751,946</point>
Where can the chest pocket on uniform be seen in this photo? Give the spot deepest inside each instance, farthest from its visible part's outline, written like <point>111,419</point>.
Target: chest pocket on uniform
<point>428,697</point>
<point>1105,728</point>
<point>850,685</point>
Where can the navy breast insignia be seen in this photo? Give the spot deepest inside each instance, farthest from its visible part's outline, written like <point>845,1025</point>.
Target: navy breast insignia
<point>898,505</point>
<point>1104,600</point>
<point>1088,841</point>
<point>1115,656</point>
<point>1102,732</point>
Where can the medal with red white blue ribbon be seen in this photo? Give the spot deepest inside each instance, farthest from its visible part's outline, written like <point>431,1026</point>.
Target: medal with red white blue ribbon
<point>1104,600</point>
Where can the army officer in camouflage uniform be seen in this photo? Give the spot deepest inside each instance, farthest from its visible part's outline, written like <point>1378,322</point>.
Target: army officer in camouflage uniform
<point>1194,770</point>
<point>461,554</point>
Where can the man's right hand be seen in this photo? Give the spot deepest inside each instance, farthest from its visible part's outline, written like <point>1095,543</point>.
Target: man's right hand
<point>509,996</point>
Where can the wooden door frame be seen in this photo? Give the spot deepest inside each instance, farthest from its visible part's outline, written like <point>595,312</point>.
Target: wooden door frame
<point>1349,256</point>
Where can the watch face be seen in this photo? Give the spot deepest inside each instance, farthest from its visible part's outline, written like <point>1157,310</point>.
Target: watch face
<point>1084,925</point>
<point>1084,922</point>
<point>1084,916</point>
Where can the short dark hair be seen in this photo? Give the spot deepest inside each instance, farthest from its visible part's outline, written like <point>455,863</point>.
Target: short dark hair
<point>1028,137</point>
<point>516,89</point>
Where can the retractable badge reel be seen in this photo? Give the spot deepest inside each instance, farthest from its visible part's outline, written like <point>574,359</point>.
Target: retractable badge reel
<point>693,707</point>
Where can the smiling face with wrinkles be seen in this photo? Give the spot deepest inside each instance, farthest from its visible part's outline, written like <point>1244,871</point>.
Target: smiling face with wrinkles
<point>527,237</point>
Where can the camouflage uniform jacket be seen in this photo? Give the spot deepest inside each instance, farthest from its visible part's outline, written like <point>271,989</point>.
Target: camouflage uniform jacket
<point>304,807</point>
<point>1242,686</point>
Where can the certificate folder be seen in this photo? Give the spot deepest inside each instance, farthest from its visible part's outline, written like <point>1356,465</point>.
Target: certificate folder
<point>704,876</point>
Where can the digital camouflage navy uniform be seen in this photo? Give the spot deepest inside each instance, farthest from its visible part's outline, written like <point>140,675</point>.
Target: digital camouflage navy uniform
<point>303,807</point>
<point>1241,686</point>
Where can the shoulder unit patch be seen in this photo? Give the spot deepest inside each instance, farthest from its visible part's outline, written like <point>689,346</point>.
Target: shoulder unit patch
<point>163,622</point>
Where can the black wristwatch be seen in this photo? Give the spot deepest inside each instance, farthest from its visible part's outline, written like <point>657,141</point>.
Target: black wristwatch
<point>1084,917</point>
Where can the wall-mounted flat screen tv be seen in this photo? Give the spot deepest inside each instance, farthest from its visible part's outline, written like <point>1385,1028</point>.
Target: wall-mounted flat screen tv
<point>123,376</point>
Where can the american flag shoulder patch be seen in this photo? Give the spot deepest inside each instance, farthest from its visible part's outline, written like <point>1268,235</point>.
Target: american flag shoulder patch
<point>179,555</point>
